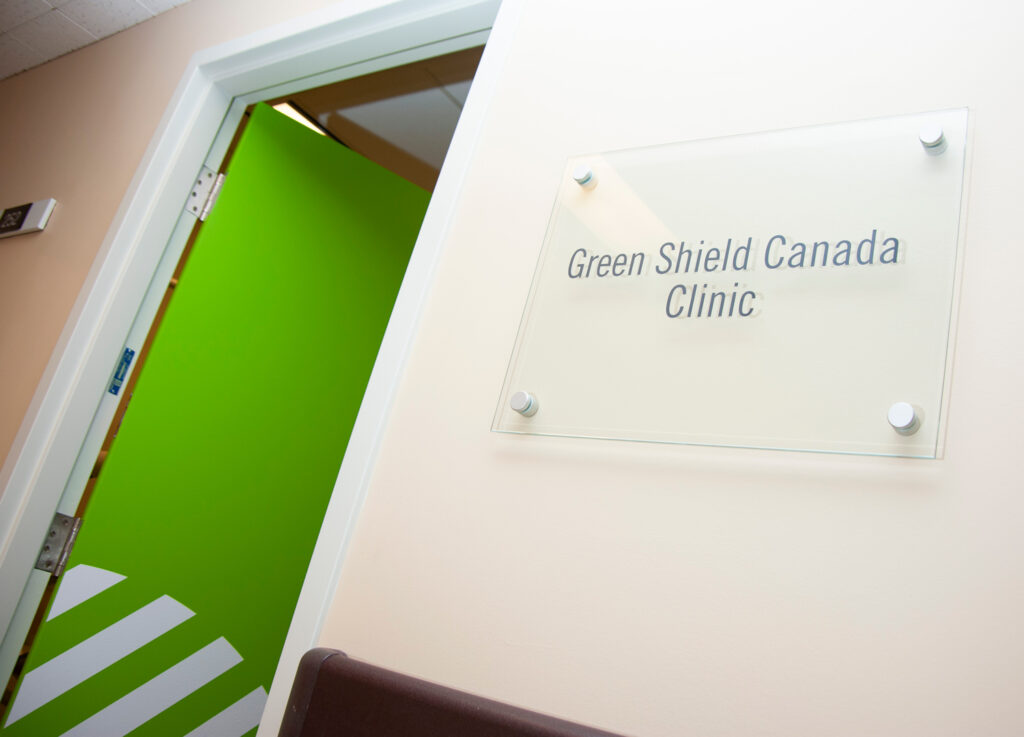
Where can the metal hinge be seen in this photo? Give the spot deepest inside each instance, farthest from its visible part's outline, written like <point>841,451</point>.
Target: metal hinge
<point>59,541</point>
<point>204,193</point>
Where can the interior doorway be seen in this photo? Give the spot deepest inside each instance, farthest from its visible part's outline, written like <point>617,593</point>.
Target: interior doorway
<point>402,118</point>
<point>419,105</point>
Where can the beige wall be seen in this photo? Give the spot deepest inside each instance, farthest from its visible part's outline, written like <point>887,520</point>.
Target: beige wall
<point>666,591</point>
<point>75,129</point>
<point>651,589</point>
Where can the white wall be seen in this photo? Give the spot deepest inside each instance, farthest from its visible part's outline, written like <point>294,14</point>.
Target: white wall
<point>666,591</point>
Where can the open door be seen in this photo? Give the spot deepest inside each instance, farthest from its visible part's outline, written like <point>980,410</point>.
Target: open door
<point>172,613</point>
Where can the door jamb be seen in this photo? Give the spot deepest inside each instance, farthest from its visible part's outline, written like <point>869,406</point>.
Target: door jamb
<point>71,409</point>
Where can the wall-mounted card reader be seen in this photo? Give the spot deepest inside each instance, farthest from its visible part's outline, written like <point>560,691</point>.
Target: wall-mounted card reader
<point>26,218</point>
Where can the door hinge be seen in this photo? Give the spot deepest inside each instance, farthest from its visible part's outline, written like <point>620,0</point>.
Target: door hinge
<point>204,193</point>
<point>59,541</point>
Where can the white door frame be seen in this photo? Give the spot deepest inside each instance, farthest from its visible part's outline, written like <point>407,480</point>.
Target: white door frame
<point>62,433</point>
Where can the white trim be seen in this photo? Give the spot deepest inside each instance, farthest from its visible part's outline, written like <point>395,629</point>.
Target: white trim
<point>321,581</point>
<point>66,421</point>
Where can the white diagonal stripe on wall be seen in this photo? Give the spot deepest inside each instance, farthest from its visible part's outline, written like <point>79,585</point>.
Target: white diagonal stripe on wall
<point>237,719</point>
<point>100,651</point>
<point>162,692</point>
<point>79,584</point>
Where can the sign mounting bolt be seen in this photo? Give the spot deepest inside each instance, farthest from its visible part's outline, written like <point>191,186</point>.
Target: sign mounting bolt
<point>584,176</point>
<point>524,403</point>
<point>933,140</point>
<point>903,418</point>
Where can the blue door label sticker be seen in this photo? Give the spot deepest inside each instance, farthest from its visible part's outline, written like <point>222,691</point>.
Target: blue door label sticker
<point>122,371</point>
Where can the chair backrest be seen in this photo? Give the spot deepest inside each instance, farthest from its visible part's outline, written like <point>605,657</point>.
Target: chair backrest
<point>335,696</point>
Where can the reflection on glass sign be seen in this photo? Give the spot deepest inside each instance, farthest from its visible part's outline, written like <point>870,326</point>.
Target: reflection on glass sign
<point>791,289</point>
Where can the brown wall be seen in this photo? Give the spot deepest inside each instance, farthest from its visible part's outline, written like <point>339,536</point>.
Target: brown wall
<point>75,129</point>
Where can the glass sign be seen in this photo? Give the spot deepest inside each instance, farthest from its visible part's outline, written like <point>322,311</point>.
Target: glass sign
<point>790,289</point>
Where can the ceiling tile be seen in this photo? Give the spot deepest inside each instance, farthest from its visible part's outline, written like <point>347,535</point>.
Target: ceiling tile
<point>105,17</point>
<point>420,122</point>
<point>159,6</point>
<point>459,91</point>
<point>16,12</point>
<point>457,67</point>
<point>52,34</point>
<point>15,56</point>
